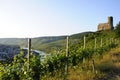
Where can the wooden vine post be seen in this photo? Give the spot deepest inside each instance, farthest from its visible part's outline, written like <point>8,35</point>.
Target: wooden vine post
<point>93,66</point>
<point>95,43</point>
<point>101,42</point>
<point>84,42</point>
<point>67,54</point>
<point>29,51</point>
<point>95,46</point>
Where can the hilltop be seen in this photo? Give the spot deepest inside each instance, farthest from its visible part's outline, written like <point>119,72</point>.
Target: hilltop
<point>57,43</point>
<point>46,44</point>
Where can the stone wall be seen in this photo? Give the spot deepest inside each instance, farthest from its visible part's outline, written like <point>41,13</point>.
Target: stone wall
<point>106,26</point>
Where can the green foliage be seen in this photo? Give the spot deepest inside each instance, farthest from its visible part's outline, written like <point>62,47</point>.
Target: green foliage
<point>55,64</point>
<point>79,35</point>
<point>117,30</point>
<point>18,69</point>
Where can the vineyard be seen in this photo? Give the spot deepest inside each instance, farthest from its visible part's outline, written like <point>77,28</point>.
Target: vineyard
<point>59,65</point>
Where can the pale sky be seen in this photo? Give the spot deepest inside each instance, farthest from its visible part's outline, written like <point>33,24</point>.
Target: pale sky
<point>36,18</point>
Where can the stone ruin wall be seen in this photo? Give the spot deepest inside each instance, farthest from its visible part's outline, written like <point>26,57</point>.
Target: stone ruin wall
<point>106,26</point>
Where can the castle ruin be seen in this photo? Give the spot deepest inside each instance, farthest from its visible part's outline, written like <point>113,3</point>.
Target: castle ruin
<point>106,26</point>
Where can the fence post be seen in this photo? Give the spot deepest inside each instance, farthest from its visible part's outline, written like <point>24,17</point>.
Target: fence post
<point>101,42</point>
<point>66,67</point>
<point>29,51</point>
<point>95,46</point>
<point>93,66</point>
<point>84,42</point>
<point>95,43</point>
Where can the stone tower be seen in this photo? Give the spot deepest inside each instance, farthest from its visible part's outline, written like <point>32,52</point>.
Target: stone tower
<point>110,21</point>
<point>106,26</point>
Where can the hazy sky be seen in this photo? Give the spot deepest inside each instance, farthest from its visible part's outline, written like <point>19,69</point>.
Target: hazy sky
<point>35,18</point>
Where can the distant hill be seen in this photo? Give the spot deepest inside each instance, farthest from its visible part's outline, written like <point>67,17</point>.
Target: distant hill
<point>46,44</point>
<point>13,41</point>
<point>79,35</point>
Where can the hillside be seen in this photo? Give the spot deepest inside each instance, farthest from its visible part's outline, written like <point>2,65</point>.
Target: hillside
<point>83,63</point>
<point>106,58</point>
<point>56,43</point>
<point>107,67</point>
<point>46,44</point>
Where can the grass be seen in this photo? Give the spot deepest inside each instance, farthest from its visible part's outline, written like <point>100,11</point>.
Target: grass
<point>107,67</point>
<point>1,68</point>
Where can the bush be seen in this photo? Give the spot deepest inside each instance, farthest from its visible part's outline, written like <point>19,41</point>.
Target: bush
<point>18,69</point>
<point>117,30</point>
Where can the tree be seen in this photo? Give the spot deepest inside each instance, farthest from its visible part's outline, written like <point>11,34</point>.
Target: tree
<point>117,30</point>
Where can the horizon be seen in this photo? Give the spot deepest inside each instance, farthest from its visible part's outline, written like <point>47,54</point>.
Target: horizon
<point>40,18</point>
<point>42,36</point>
